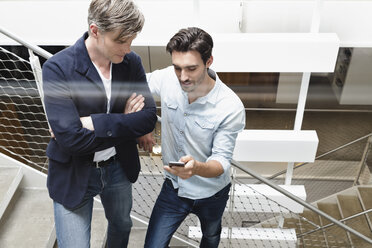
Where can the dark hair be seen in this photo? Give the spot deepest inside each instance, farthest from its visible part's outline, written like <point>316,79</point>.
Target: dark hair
<point>192,39</point>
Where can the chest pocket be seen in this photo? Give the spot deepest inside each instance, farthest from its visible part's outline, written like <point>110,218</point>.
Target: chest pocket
<point>204,130</point>
<point>172,112</point>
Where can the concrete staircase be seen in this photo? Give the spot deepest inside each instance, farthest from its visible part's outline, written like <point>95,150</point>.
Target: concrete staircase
<point>341,205</point>
<point>26,215</point>
<point>26,212</point>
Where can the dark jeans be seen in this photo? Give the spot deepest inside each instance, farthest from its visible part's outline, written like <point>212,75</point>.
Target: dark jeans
<point>170,210</point>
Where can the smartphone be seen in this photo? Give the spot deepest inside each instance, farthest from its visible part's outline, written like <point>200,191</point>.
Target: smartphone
<point>174,163</point>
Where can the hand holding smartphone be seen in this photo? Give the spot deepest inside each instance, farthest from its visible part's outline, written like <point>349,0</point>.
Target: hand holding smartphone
<point>174,163</point>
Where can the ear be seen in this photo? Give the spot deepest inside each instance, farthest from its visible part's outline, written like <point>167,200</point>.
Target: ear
<point>93,30</point>
<point>209,62</point>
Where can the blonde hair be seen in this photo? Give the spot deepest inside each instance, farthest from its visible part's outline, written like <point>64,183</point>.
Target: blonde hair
<point>111,15</point>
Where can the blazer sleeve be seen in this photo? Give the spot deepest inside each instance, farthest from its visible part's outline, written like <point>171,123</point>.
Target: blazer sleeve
<point>63,116</point>
<point>129,125</point>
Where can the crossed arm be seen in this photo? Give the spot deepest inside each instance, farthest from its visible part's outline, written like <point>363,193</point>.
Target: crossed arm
<point>134,104</point>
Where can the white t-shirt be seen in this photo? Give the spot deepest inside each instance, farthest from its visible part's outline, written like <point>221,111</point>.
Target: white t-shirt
<point>109,152</point>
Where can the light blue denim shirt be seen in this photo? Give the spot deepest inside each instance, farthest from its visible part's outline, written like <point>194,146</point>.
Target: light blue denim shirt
<point>205,129</point>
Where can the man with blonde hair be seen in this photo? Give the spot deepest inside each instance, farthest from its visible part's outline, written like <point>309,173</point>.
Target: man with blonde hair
<point>97,102</point>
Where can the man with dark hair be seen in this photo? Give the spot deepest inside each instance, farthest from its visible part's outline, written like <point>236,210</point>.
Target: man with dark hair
<point>97,102</point>
<point>201,118</point>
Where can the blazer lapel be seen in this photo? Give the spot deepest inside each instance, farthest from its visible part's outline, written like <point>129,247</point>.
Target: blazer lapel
<point>119,83</point>
<point>84,64</point>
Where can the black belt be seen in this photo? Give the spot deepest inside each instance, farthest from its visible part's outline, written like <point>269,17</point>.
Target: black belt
<point>103,163</point>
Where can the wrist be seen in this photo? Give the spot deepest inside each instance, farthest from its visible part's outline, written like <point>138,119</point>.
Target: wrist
<point>196,168</point>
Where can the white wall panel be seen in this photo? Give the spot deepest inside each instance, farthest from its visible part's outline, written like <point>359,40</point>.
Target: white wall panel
<point>165,18</point>
<point>44,22</point>
<point>220,16</point>
<point>279,52</point>
<point>351,20</point>
<point>60,22</point>
<point>276,52</point>
<point>277,16</point>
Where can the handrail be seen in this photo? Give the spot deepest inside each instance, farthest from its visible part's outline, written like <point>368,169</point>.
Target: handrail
<point>300,201</point>
<point>34,48</point>
<point>320,156</point>
<point>363,161</point>
<point>332,224</point>
<point>309,110</point>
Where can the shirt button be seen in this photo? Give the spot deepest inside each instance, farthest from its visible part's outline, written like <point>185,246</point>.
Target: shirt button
<point>185,114</point>
<point>181,132</point>
<point>109,133</point>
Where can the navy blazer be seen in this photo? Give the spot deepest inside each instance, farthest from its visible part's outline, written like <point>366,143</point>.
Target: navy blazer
<point>73,89</point>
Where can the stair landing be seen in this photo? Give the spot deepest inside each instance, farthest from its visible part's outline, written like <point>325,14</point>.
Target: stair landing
<point>6,178</point>
<point>29,212</point>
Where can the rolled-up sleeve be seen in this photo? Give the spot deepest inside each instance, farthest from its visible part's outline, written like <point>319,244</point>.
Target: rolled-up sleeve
<point>225,137</point>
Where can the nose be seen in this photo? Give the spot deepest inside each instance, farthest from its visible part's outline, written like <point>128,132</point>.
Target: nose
<point>183,76</point>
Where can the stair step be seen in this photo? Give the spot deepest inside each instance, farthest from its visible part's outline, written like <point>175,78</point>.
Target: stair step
<point>137,237</point>
<point>99,227</point>
<point>151,165</point>
<point>350,205</point>
<point>301,226</point>
<point>330,209</point>
<point>28,221</point>
<point>312,217</point>
<point>365,194</point>
<point>6,179</point>
<point>316,239</point>
<point>255,237</point>
<point>261,198</point>
<point>10,177</point>
<point>366,200</point>
<point>290,223</point>
<point>336,236</point>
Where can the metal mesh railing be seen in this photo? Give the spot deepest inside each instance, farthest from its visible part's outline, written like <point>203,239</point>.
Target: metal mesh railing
<point>23,126</point>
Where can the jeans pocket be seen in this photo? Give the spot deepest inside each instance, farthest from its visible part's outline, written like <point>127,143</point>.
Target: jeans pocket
<point>168,185</point>
<point>223,192</point>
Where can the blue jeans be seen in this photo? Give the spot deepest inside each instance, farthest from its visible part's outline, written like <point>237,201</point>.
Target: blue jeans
<point>73,225</point>
<point>170,210</point>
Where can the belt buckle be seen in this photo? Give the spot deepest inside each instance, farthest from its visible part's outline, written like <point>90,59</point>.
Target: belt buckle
<point>104,162</point>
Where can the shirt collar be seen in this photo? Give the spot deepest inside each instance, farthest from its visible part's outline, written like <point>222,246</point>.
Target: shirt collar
<point>212,95</point>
